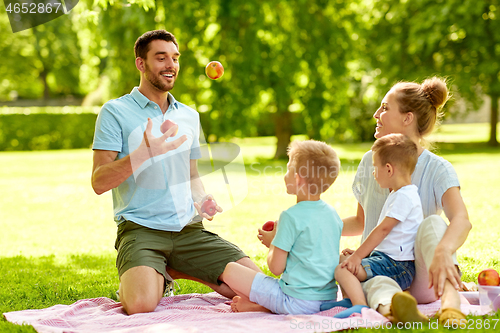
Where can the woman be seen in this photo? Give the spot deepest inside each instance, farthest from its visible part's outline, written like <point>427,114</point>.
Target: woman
<point>413,109</point>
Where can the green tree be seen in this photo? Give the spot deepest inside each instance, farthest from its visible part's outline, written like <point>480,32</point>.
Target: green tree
<point>16,52</point>
<point>287,62</point>
<point>39,62</point>
<point>284,62</point>
<point>469,51</point>
<point>411,40</point>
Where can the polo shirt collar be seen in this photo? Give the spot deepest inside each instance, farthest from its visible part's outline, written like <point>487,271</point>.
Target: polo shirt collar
<point>143,100</point>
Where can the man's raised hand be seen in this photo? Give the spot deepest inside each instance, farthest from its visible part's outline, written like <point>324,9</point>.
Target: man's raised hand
<point>153,146</point>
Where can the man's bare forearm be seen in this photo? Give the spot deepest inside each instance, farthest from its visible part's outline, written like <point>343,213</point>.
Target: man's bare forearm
<point>110,175</point>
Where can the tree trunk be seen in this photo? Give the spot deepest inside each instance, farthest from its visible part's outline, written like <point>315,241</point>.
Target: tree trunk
<point>493,121</point>
<point>46,88</point>
<point>283,130</point>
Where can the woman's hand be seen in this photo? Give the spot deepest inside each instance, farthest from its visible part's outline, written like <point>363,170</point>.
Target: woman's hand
<point>441,269</point>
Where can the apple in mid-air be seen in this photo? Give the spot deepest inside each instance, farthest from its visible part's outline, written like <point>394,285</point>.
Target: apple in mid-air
<point>268,226</point>
<point>214,70</point>
<point>168,124</point>
<point>488,277</point>
<point>209,207</point>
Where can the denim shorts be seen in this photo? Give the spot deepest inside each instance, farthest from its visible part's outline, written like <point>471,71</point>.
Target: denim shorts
<point>378,263</point>
<point>266,291</point>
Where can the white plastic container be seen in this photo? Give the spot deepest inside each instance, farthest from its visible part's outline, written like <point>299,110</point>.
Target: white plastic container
<point>489,298</point>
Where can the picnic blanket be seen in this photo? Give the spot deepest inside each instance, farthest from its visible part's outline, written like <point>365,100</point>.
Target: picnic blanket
<point>196,313</point>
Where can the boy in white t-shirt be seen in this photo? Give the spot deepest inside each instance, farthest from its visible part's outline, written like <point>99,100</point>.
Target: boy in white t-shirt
<point>388,249</point>
<point>303,247</point>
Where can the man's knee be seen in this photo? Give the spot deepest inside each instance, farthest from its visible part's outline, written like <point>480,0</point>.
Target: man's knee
<point>141,289</point>
<point>139,305</point>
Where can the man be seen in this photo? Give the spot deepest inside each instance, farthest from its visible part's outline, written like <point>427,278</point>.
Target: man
<point>157,192</point>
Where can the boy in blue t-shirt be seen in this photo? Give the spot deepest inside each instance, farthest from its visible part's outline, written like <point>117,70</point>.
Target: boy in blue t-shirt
<point>303,246</point>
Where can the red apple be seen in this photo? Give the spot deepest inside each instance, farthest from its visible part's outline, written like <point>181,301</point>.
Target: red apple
<point>209,207</point>
<point>268,226</point>
<point>168,124</point>
<point>488,277</point>
<point>214,70</point>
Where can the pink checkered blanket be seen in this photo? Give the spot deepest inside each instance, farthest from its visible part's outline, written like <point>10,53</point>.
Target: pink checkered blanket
<point>194,313</point>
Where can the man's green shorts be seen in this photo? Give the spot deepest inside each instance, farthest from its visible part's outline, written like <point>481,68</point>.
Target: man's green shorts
<point>194,250</point>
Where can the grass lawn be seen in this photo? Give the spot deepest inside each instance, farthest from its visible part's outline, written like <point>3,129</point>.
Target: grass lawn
<point>57,236</point>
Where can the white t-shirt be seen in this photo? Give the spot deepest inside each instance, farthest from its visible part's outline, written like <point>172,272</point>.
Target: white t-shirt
<point>403,205</point>
<point>433,176</point>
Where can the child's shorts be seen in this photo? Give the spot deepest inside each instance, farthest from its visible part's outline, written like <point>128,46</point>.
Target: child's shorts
<point>379,263</point>
<point>266,291</point>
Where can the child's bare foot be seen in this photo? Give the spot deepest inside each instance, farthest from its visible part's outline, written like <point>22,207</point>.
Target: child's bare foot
<point>241,304</point>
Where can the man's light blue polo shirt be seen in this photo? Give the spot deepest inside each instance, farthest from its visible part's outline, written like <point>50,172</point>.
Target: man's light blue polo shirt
<point>158,194</point>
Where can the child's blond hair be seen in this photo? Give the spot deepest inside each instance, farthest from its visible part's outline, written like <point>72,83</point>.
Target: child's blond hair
<point>398,150</point>
<point>316,162</point>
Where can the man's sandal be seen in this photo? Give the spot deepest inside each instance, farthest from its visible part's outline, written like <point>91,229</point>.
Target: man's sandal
<point>404,309</point>
<point>451,317</point>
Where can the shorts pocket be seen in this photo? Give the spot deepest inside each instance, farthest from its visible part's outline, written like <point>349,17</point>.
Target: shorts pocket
<point>124,247</point>
<point>209,232</point>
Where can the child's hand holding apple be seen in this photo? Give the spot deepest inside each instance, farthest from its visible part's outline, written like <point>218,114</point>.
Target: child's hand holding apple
<point>266,234</point>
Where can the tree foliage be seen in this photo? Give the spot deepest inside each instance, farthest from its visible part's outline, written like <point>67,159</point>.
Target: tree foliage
<point>284,61</point>
<point>40,62</point>
<point>318,67</point>
<point>411,40</point>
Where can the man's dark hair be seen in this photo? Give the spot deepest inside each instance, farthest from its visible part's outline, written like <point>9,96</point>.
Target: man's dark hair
<point>141,46</point>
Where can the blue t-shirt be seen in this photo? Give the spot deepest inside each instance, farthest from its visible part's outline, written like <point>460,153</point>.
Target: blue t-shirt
<point>158,194</point>
<point>310,232</point>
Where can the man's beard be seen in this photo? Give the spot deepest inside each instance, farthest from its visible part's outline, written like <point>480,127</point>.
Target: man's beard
<point>156,80</point>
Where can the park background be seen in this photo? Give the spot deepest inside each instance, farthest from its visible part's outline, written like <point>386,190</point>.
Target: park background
<point>293,70</point>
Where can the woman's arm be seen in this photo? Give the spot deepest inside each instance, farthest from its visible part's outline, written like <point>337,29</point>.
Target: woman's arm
<point>442,267</point>
<point>354,225</point>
